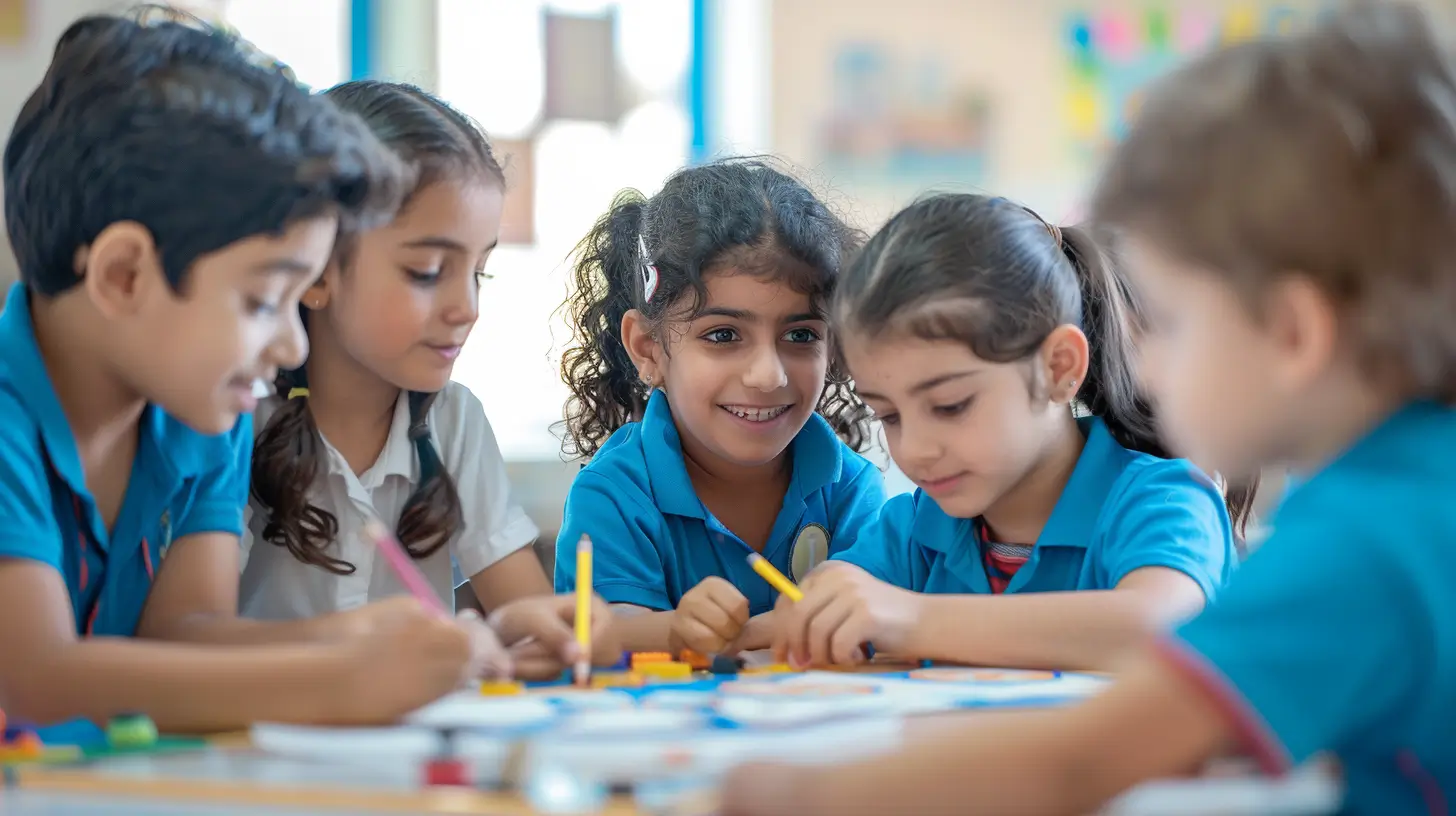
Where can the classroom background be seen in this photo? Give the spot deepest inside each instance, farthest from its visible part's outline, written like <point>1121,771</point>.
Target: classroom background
<point>874,101</point>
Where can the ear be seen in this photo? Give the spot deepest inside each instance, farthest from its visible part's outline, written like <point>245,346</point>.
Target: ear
<point>317,296</point>
<point>121,269</point>
<point>1064,359</point>
<point>642,347</point>
<point>1303,325</point>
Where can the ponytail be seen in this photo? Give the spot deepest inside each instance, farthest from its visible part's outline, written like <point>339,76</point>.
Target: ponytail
<point>605,390</point>
<point>1110,319</point>
<point>432,513</point>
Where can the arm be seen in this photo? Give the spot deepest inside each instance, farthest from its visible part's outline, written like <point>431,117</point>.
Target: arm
<point>50,675</point>
<point>1054,630</point>
<point>195,596</point>
<point>643,629</point>
<point>518,575</point>
<point>1151,724</point>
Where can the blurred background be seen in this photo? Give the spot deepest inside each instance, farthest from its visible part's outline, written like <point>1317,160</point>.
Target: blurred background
<point>874,101</point>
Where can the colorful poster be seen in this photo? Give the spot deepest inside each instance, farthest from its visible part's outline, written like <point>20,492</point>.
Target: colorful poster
<point>1113,56</point>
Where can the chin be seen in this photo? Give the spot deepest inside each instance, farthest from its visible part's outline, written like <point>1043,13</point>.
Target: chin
<point>211,423</point>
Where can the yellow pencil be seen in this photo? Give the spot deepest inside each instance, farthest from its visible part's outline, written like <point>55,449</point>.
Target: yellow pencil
<point>776,579</point>
<point>583,609</point>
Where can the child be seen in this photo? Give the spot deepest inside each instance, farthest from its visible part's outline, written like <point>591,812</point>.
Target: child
<point>169,197</point>
<point>373,426</point>
<point>1301,287</point>
<point>973,329</point>
<point>704,356</point>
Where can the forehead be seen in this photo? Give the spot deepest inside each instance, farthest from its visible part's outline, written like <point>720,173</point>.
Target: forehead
<point>466,212</point>
<point>732,288</point>
<point>884,363</point>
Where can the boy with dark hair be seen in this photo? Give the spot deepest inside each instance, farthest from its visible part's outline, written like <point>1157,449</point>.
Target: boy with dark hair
<point>169,196</point>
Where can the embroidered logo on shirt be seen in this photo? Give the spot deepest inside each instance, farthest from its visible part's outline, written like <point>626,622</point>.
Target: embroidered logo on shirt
<point>811,548</point>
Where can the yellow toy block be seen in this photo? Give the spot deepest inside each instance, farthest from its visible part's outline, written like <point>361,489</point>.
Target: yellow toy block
<point>615,680</point>
<point>772,668</point>
<point>668,670</point>
<point>501,688</point>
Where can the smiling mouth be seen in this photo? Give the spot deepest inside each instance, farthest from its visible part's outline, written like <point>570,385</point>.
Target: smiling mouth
<point>753,414</point>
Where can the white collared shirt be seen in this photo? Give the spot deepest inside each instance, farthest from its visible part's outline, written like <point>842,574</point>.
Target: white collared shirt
<point>275,585</point>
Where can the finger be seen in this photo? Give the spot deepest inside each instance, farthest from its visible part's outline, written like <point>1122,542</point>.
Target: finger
<point>845,644</point>
<point>801,616</point>
<point>542,666</point>
<point>822,629</point>
<point>700,638</point>
<point>717,619</point>
<point>488,658</point>
<point>726,597</point>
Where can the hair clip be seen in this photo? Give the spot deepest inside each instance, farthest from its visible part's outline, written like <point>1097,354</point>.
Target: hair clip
<point>649,272</point>
<point>295,393</point>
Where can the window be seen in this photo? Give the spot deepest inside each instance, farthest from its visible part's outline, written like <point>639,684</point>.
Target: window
<point>298,34</point>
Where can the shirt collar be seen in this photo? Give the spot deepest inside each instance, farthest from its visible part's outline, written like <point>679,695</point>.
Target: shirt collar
<point>818,459</point>
<point>33,388</point>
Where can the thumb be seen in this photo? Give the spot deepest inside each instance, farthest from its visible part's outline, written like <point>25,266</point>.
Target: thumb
<point>556,635</point>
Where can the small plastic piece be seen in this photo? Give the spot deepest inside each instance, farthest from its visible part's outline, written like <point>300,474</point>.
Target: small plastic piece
<point>669,670</point>
<point>28,746</point>
<point>131,731</point>
<point>600,680</point>
<point>640,659</point>
<point>623,663</point>
<point>447,771</point>
<point>501,688</point>
<point>723,664</point>
<point>699,662</point>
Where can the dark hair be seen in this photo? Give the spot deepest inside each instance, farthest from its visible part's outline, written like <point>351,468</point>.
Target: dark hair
<point>1328,155</point>
<point>993,275</point>
<point>186,130</point>
<point>742,213</point>
<point>438,143</point>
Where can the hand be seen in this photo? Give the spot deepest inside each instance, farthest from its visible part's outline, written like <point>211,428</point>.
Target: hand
<point>541,631</point>
<point>766,789</point>
<point>708,618</point>
<point>409,656</point>
<point>843,608</point>
<point>488,658</point>
<point>757,635</point>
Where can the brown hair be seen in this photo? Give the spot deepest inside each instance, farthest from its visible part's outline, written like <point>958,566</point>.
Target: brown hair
<point>1330,155</point>
<point>437,142</point>
<point>745,213</point>
<point>993,275</point>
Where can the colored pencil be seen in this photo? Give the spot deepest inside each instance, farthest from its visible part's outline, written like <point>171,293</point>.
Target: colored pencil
<point>776,579</point>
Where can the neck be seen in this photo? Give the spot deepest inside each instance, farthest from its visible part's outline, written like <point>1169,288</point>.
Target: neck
<point>712,473</point>
<point>1325,434</point>
<point>349,402</point>
<point>1019,515</point>
<point>99,405</point>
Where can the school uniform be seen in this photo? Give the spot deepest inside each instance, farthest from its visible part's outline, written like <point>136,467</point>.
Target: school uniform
<point>1121,511</point>
<point>653,540</point>
<point>276,585</point>
<point>1339,633</point>
<point>182,483</point>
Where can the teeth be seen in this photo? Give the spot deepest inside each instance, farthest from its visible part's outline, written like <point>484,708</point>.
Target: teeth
<point>756,414</point>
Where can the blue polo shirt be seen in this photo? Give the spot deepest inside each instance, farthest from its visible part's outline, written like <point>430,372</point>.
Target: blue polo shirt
<point>1121,510</point>
<point>1339,633</point>
<point>182,483</point>
<point>653,540</point>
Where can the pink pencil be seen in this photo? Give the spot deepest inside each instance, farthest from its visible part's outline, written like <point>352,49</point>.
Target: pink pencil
<point>404,568</point>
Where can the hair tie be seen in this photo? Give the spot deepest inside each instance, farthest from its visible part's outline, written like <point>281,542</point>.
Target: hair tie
<point>1056,232</point>
<point>295,393</point>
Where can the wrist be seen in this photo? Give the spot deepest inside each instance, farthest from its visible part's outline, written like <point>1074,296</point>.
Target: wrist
<point>915,639</point>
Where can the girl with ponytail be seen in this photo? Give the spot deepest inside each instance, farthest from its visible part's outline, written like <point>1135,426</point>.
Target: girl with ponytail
<point>998,351</point>
<point>371,426</point>
<point>706,393</point>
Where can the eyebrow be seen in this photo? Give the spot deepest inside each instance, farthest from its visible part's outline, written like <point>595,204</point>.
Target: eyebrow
<point>750,317</point>
<point>441,242</point>
<point>290,266</point>
<point>924,385</point>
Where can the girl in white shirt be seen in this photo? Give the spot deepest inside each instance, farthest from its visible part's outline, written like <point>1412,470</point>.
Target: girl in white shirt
<point>372,427</point>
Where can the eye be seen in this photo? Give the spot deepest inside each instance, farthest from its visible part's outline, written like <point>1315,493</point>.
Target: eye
<point>261,308</point>
<point>801,335</point>
<point>424,277</point>
<point>721,336</point>
<point>481,276</point>
<point>888,419</point>
<point>953,410</point>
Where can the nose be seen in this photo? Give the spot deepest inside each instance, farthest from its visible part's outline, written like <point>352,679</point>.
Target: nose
<point>463,304</point>
<point>766,369</point>
<point>912,444</point>
<point>290,346</point>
